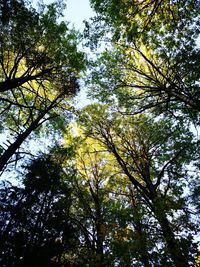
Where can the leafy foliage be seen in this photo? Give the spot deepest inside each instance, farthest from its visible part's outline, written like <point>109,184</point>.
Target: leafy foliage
<point>153,58</point>
<point>119,185</point>
<point>38,70</point>
<point>36,228</point>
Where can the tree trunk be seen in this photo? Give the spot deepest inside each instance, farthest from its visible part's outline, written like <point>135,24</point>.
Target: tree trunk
<point>10,151</point>
<point>145,256</point>
<point>173,247</point>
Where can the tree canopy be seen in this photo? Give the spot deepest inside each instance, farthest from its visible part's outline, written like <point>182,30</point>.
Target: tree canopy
<point>116,183</point>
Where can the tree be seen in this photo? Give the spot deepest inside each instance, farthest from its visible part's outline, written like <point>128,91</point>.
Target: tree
<point>147,20</point>
<point>35,223</point>
<point>47,51</point>
<point>39,71</point>
<point>149,64</point>
<point>152,155</point>
<point>142,80</point>
<point>103,209</point>
<point>92,203</point>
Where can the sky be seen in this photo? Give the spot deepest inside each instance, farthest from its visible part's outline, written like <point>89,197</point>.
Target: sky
<point>77,11</point>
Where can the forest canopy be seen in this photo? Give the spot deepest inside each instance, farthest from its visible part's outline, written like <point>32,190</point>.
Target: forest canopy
<point>115,183</point>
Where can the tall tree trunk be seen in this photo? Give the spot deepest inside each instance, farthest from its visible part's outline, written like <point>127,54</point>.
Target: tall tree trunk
<point>173,247</point>
<point>145,256</point>
<point>10,151</point>
<point>98,225</point>
<point>99,243</point>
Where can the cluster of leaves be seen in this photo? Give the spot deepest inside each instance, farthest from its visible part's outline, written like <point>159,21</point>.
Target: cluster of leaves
<point>153,62</point>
